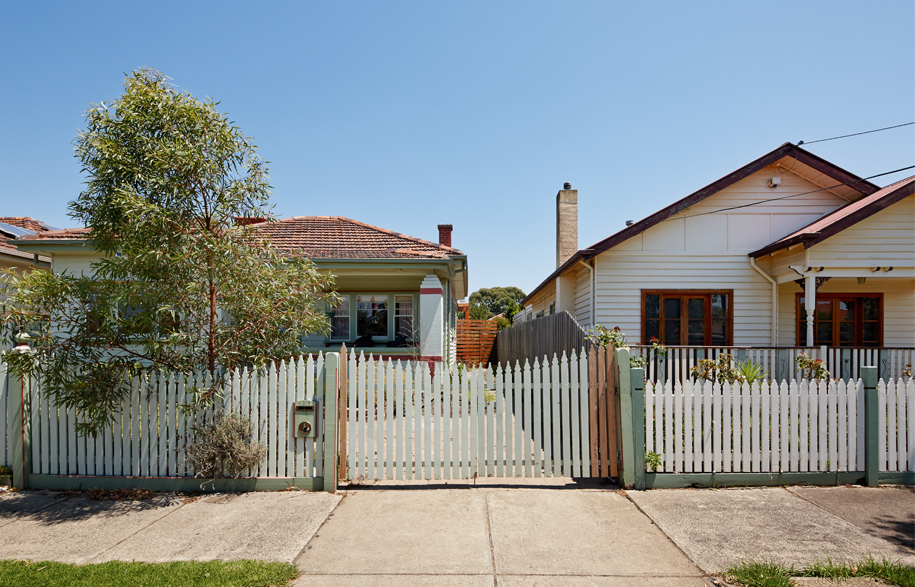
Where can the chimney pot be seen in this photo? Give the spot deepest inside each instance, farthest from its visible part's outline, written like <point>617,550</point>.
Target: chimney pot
<point>444,234</point>
<point>567,186</point>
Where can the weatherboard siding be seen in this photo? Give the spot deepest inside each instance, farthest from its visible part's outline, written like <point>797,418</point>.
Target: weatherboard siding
<point>885,239</point>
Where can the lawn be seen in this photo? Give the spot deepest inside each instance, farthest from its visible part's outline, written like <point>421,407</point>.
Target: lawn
<point>118,574</point>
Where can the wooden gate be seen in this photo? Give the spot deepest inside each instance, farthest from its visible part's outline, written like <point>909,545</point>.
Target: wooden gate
<point>548,418</point>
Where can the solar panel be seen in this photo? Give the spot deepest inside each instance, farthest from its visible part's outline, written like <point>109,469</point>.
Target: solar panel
<point>16,231</point>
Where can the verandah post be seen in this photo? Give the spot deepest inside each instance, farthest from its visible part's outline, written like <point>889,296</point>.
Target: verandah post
<point>19,429</point>
<point>637,391</point>
<point>331,389</point>
<point>871,427</point>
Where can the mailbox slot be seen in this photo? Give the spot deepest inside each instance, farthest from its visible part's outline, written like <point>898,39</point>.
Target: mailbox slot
<point>304,418</point>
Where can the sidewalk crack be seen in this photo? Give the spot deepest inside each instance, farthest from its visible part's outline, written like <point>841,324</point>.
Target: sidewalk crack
<point>126,538</point>
<point>492,549</point>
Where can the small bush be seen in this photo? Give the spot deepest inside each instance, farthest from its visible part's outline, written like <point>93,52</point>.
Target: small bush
<point>222,448</point>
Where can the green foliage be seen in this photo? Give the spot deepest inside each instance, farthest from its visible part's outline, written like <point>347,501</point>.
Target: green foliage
<point>762,574</point>
<point>751,372</point>
<point>222,448</point>
<point>653,460</point>
<point>602,336</point>
<point>812,369</point>
<point>180,286</point>
<point>502,323</point>
<point>488,302</point>
<point>240,573</point>
<point>721,370</point>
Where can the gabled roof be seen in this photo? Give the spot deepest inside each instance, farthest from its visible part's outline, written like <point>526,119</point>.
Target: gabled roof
<point>846,216</point>
<point>63,234</point>
<point>336,237</point>
<point>815,169</point>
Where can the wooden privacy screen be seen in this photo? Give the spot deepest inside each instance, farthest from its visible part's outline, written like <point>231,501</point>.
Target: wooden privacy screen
<point>475,341</point>
<point>604,400</point>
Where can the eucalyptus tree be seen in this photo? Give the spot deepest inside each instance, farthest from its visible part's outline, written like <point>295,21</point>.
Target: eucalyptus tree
<point>180,283</point>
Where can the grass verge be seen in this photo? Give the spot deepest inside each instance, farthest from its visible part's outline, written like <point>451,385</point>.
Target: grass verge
<point>767,574</point>
<point>177,574</point>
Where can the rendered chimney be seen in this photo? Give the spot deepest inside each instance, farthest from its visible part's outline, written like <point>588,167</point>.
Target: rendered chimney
<point>566,223</point>
<point>444,234</point>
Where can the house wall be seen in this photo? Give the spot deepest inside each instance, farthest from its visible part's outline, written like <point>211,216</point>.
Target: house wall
<point>541,302</point>
<point>702,248</point>
<point>582,313</point>
<point>75,263</point>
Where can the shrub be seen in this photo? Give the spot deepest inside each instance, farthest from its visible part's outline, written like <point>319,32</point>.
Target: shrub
<point>222,448</point>
<point>811,368</point>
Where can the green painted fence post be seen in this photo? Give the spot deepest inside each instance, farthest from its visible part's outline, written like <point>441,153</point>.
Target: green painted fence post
<point>626,435</point>
<point>19,430</point>
<point>331,390</point>
<point>637,390</point>
<point>871,427</point>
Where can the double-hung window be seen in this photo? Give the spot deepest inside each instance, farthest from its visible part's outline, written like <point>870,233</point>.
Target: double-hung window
<point>367,314</point>
<point>688,317</point>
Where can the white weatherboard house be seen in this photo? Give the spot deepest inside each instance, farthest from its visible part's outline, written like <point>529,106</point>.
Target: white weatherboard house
<point>399,293</point>
<point>789,250</point>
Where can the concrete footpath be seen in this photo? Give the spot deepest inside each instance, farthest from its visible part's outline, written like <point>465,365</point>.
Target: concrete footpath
<point>556,533</point>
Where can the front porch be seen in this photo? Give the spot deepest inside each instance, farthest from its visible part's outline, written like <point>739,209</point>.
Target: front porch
<point>779,362</point>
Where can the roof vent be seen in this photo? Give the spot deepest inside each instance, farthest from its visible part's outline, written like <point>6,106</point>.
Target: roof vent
<point>567,185</point>
<point>629,223</point>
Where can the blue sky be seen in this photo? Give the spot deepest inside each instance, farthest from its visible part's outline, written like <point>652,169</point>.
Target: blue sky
<point>412,114</point>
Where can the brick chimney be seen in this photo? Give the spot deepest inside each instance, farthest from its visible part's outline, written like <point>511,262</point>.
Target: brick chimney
<point>444,234</point>
<point>566,223</point>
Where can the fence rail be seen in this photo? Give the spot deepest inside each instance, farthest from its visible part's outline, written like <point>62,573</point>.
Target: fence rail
<point>778,362</point>
<point>705,427</point>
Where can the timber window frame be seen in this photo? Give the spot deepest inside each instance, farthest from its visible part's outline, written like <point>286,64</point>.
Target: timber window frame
<point>681,317</point>
<point>866,320</point>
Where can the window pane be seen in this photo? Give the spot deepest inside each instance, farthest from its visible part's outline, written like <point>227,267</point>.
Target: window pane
<point>847,310</point>
<point>696,332</point>
<point>824,333</point>
<point>652,306</point>
<point>339,322</point>
<point>870,308</point>
<point>824,310</point>
<point>372,315</point>
<point>720,306</point>
<point>652,328</point>
<point>403,316</point>
<point>870,334</point>
<point>671,332</point>
<point>672,308</point>
<point>719,332</point>
<point>696,308</point>
<point>846,334</point>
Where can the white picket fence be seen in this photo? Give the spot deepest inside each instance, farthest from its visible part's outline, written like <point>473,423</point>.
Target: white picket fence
<point>148,436</point>
<point>407,423</point>
<point>705,427</point>
<point>778,362</point>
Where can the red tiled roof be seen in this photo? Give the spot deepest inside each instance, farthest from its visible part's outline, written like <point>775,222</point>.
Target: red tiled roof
<point>62,234</point>
<point>846,216</point>
<point>336,237</point>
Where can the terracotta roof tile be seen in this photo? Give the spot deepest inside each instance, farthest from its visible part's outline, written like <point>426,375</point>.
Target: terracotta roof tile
<point>336,237</point>
<point>26,222</point>
<point>62,234</point>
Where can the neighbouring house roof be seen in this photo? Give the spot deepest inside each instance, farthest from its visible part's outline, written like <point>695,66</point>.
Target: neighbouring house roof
<point>846,216</point>
<point>813,168</point>
<point>336,237</point>
<point>74,234</point>
<point>20,227</point>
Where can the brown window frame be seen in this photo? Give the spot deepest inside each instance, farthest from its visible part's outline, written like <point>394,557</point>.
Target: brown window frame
<point>684,315</point>
<point>801,323</point>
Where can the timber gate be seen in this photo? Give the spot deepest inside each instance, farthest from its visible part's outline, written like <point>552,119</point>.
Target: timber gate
<point>543,418</point>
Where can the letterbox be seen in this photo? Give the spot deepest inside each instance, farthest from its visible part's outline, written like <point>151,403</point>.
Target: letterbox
<point>305,419</point>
